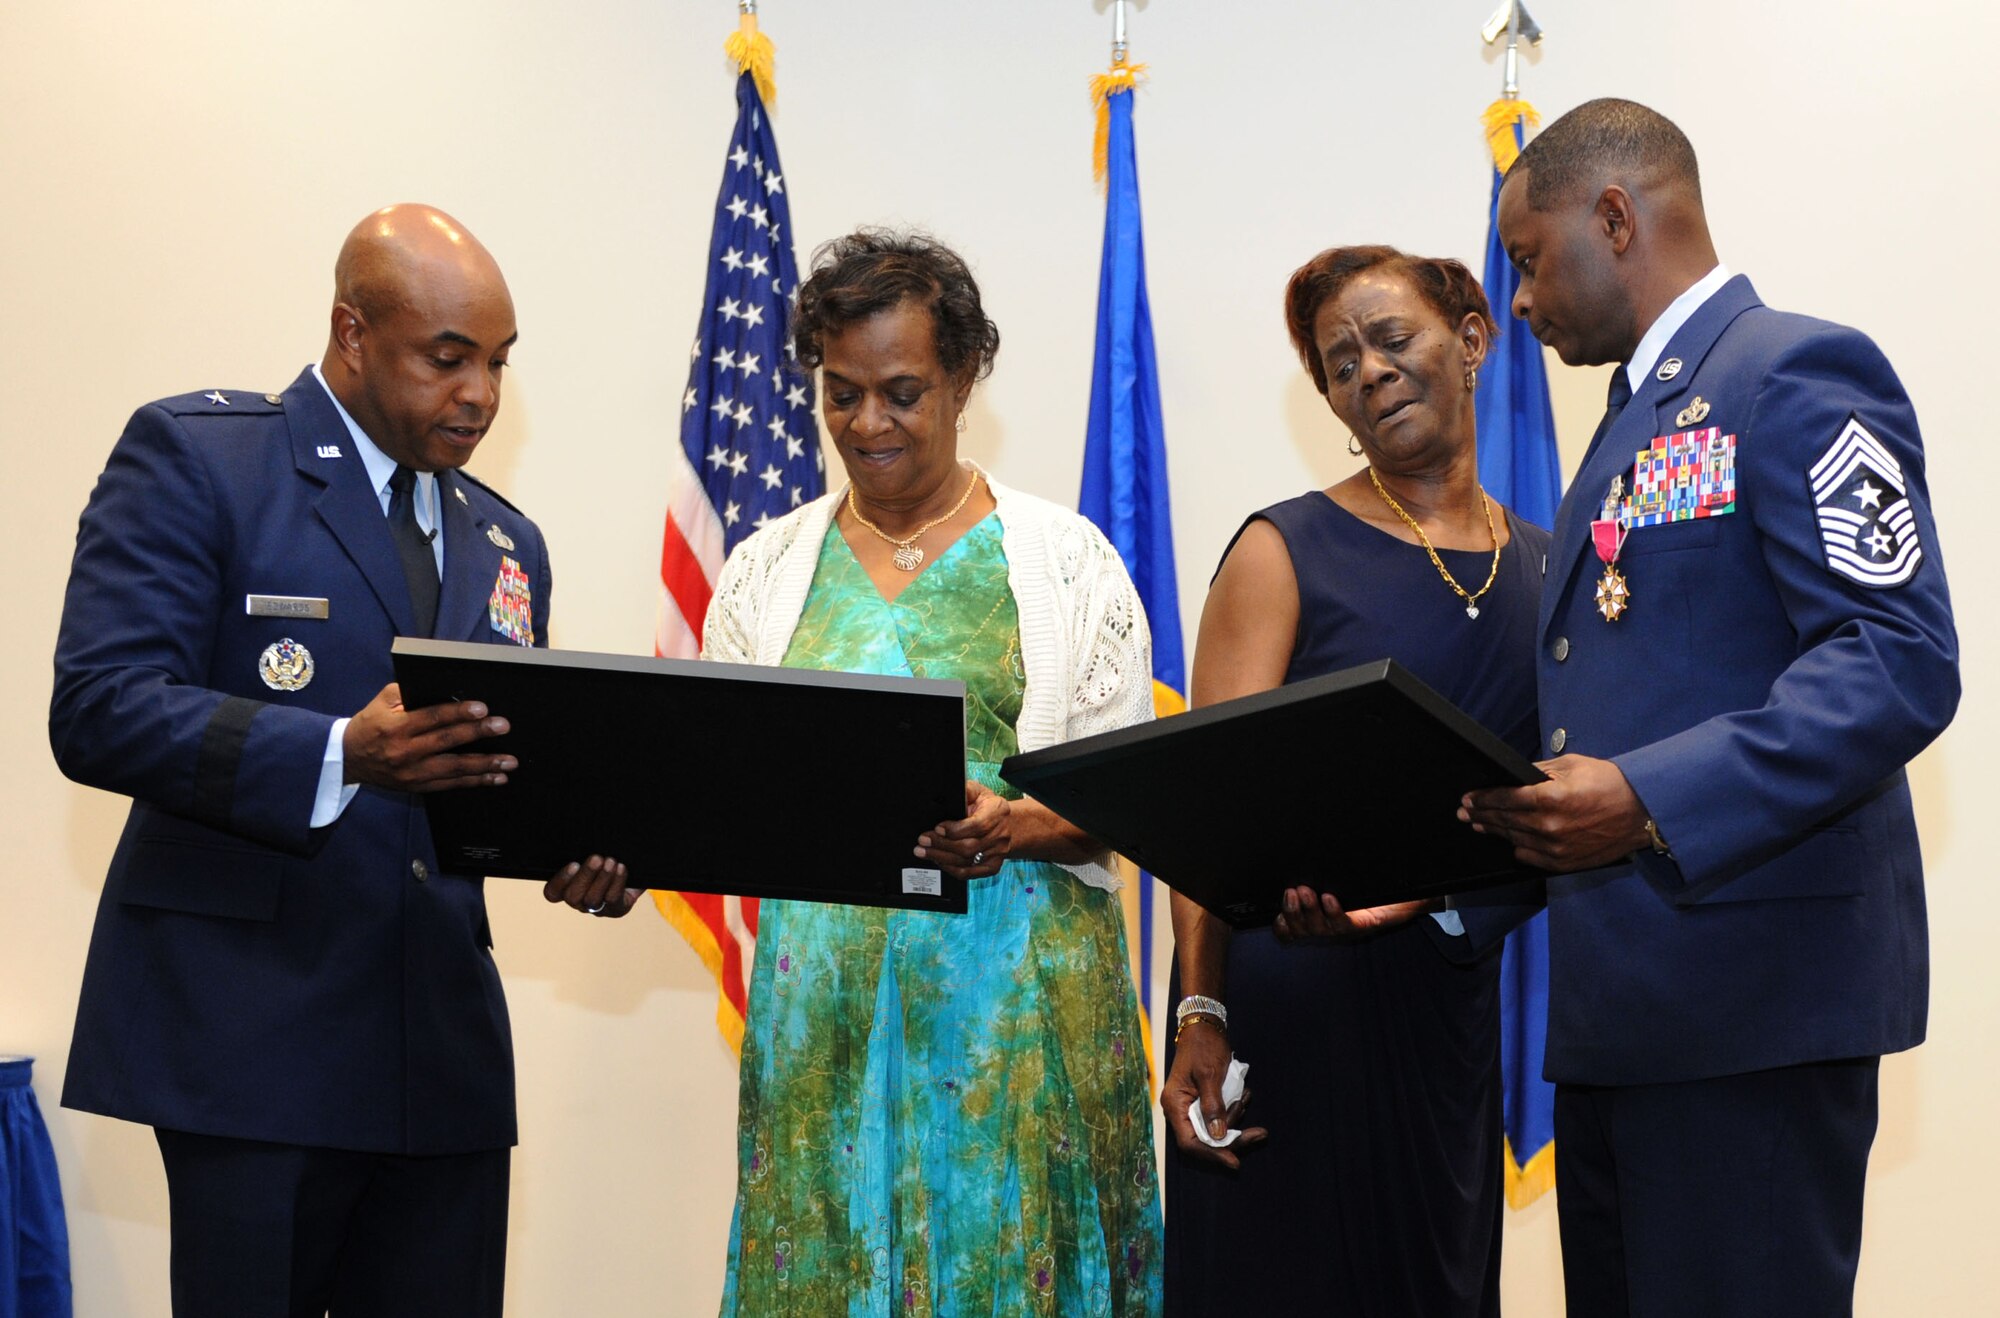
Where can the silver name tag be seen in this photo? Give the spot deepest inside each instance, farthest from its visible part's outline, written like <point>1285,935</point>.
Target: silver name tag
<point>284,606</point>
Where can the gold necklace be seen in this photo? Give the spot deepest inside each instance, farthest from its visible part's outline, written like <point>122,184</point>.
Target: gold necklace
<point>908,557</point>
<point>1472,600</point>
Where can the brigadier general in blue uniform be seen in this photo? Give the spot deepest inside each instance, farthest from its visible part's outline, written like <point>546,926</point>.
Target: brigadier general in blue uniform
<point>1744,638</point>
<point>281,981</point>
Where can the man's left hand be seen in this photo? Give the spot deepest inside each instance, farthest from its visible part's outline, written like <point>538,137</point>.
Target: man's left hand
<point>595,887</point>
<point>1584,816</point>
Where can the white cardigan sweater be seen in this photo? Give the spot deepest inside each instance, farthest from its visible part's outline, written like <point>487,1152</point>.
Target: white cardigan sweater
<point>1084,641</point>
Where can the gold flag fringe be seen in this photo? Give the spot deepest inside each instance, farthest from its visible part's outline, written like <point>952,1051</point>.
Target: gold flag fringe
<point>755,55</point>
<point>1500,118</point>
<point>1528,1182</point>
<point>1117,80</point>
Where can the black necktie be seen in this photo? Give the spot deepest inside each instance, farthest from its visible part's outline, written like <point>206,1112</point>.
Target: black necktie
<point>1619,394</point>
<point>419,563</point>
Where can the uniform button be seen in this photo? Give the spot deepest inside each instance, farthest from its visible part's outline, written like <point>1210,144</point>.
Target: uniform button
<point>421,870</point>
<point>273,399</point>
<point>1561,648</point>
<point>1557,740</point>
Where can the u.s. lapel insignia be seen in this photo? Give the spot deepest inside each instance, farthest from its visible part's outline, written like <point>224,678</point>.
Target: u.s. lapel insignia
<point>498,536</point>
<point>1693,414</point>
<point>511,610</point>
<point>285,665</point>
<point>1867,528</point>
<point>1669,368</point>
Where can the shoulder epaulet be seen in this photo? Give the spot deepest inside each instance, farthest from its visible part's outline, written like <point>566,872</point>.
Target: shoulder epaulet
<point>223,402</point>
<point>465,475</point>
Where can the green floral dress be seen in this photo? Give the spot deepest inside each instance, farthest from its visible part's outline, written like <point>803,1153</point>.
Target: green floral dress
<point>943,1115</point>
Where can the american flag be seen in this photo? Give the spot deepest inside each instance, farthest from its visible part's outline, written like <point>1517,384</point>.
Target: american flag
<point>749,452</point>
<point>749,444</point>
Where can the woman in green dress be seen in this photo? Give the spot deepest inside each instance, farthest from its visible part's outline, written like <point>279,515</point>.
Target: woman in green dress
<point>938,1114</point>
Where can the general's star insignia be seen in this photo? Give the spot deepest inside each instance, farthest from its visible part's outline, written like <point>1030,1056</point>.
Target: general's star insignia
<point>217,397</point>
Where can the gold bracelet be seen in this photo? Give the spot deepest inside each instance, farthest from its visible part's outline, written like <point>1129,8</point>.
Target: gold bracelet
<point>1194,1018</point>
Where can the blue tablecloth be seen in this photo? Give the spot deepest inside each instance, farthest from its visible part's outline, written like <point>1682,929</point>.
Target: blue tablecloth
<point>34,1240</point>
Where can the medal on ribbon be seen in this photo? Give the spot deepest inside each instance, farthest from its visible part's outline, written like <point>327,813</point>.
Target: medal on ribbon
<point>1607,536</point>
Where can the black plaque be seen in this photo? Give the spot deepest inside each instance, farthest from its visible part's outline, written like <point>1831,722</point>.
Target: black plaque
<point>1348,782</point>
<point>702,777</point>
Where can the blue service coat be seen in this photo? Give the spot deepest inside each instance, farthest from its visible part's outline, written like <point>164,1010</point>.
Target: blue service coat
<point>248,975</point>
<point>1762,694</point>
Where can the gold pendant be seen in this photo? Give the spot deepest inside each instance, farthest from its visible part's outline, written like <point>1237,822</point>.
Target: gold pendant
<point>908,558</point>
<point>1613,597</point>
<point>1471,609</point>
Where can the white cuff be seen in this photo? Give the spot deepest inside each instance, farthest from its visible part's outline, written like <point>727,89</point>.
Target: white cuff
<point>1450,923</point>
<point>333,795</point>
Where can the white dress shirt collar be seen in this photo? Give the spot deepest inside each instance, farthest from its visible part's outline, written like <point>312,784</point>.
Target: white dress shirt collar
<point>381,467</point>
<point>1663,330</point>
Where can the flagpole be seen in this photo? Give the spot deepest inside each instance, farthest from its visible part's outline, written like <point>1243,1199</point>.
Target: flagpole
<point>1513,19</point>
<point>1118,45</point>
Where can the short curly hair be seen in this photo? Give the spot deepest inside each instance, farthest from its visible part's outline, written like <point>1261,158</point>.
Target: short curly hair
<point>869,271</point>
<point>1446,285</point>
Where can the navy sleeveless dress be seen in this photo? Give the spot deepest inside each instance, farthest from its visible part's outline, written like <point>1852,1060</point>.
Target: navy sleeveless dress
<point>1375,1065</point>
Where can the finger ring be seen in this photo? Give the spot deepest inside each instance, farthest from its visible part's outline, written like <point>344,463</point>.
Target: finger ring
<point>979,858</point>
<point>594,910</point>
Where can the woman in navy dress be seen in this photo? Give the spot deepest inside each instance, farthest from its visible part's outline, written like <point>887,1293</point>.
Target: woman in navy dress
<point>1376,1061</point>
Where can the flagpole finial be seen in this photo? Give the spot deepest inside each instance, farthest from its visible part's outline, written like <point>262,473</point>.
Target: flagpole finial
<point>1118,45</point>
<point>1508,118</point>
<point>1512,20</point>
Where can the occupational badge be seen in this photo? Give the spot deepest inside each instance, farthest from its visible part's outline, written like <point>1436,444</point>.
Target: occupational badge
<point>1693,414</point>
<point>1867,528</point>
<point>499,537</point>
<point>511,610</point>
<point>285,665</point>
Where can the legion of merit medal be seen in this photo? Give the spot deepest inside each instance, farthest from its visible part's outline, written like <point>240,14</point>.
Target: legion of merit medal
<point>1607,535</point>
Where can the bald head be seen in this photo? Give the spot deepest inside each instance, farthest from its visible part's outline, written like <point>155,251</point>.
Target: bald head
<point>421,327</point>
<point>401,247</point>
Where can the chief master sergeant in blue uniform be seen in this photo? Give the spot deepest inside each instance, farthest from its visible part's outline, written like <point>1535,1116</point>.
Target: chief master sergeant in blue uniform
<point>281,981</point>
<point>1745,636</point>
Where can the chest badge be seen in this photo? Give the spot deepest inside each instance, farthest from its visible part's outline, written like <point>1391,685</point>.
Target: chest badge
<point>1693,414</point>
<point>499,537</point>
<point>285,665</point>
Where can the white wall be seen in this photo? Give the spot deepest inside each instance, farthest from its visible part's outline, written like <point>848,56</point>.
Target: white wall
<point>178,178</point>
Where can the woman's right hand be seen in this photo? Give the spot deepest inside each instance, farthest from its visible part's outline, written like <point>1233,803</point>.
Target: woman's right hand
<point>1310,916</point>
<point>1201,1060</point>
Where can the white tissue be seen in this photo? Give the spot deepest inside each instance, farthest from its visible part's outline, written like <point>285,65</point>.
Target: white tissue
<point>1232,1092</point>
